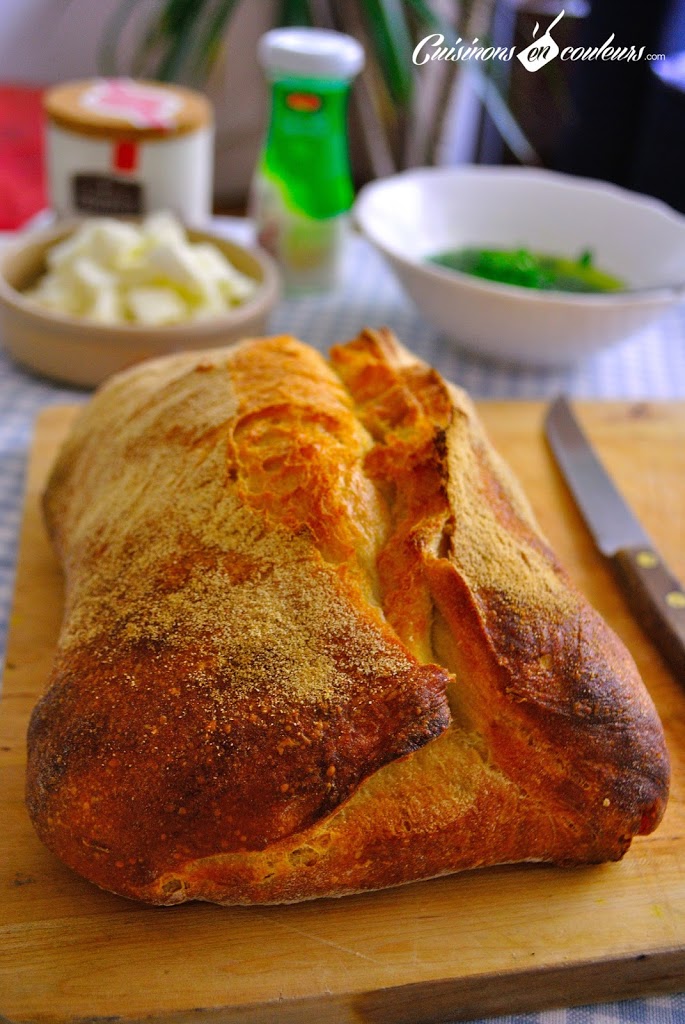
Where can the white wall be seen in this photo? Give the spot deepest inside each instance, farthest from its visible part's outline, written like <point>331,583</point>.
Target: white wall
<point>48,41</point>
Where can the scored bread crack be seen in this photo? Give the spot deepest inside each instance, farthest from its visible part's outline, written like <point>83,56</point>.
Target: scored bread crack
<point>405,407</point>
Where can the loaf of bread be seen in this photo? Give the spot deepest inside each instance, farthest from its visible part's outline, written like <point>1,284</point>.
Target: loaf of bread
<point>315,643</point>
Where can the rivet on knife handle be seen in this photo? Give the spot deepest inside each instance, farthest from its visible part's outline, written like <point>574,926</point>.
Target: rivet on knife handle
<point>657,598</point>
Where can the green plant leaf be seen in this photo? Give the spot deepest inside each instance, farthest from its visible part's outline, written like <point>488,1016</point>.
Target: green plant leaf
<point>181,21</point>
<point>178,15</point>
<point>294,12</point>
<point>389,32</point>
<point>188,36</point>
<point>171,67</point>
<point>210,41</point>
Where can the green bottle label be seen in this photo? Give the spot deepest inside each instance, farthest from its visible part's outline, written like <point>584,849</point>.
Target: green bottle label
<point>302,188</point>
<point>306,155</point>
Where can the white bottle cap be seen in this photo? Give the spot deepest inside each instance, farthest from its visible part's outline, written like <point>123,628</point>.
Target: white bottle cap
<point>310,53</point>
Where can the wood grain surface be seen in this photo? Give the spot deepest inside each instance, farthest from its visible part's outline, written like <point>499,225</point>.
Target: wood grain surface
<point>484,942</point>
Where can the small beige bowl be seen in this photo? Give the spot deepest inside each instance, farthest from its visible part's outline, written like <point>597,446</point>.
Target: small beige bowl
<point>81,352</point>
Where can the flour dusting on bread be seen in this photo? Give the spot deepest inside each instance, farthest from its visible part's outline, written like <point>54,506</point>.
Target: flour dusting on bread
<point>315,643</point>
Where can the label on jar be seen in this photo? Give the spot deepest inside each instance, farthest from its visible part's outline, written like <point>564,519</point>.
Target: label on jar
<point>143,106</point>
<point>106,195</point>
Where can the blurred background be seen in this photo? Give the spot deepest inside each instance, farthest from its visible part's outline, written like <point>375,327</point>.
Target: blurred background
<point>621,121</point>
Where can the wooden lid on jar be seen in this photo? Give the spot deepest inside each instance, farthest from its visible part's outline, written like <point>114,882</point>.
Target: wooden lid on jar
<point>126,108</point>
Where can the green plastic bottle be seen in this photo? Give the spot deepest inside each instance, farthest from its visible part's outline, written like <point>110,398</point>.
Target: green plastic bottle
<point>302,187</point>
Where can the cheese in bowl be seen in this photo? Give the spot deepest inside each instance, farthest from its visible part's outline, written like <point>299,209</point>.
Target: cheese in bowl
<point>84,299</point>
<point>114,271</point>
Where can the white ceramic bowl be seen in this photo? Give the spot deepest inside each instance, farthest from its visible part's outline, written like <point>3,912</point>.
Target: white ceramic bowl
<point>416,214</point>
<point>78,351</point>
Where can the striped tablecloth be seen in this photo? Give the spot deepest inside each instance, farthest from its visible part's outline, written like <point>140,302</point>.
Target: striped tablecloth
<point>650,366</point>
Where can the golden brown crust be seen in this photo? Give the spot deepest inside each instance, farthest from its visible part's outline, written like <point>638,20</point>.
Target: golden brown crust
<point>314,642</point>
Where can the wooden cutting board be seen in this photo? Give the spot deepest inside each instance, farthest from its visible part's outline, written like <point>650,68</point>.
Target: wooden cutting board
<point>485,942</point>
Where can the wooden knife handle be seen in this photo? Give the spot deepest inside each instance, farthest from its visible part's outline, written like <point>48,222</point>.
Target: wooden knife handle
<point>657,599</point>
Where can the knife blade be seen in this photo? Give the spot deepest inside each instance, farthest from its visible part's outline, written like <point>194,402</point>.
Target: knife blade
<point>653,593</point>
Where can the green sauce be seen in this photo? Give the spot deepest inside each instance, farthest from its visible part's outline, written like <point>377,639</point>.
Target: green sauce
<point>530,270</point>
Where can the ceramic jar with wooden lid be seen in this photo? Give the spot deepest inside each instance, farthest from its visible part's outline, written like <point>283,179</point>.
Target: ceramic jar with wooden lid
<point>122,147</point>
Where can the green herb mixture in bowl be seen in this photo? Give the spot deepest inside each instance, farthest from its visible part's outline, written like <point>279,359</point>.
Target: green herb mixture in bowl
<point>531,269</point>
<point>498,228</point>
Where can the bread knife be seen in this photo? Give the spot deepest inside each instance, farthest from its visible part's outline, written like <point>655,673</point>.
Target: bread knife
<point>652,592</point>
